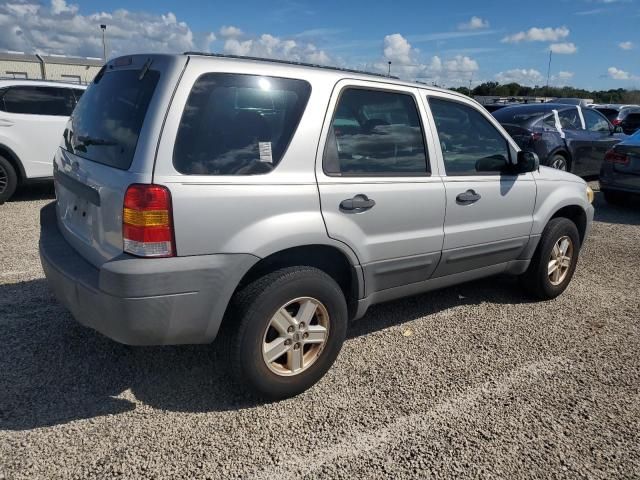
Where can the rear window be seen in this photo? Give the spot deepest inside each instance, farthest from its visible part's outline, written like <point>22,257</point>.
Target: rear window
<point>610,113</point>
<point>106,123</point>
<point>31,100</point>
<point>238,124</point>
<point>520,114</point>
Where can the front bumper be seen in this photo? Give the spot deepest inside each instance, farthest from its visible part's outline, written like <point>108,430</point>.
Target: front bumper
<point>138,301</point>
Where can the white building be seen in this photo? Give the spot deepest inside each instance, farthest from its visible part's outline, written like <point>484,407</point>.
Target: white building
<point>49,67</point>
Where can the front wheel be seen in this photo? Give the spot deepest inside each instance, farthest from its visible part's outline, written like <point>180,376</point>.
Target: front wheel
<point>289,328</point>
<point>555,260</point>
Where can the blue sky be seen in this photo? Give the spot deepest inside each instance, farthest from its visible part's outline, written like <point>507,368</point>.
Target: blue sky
<point>597,42</point>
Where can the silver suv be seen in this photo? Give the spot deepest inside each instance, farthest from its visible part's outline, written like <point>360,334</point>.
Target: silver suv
<point>273,202</point>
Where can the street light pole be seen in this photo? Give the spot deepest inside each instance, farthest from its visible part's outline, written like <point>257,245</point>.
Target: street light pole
<point>389,71</point>
<point>104,43</point>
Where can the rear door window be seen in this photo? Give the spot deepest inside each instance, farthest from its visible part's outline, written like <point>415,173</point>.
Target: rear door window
<point>375,132</point>
<point>106,123</point>
<point>238,124</point>
<point>32,100</point>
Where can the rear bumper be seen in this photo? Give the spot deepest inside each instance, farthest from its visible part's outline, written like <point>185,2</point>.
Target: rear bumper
<point>141,301</point>
<point>619,182</point>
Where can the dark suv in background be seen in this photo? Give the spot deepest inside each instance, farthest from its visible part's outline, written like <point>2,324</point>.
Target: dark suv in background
<point>626,117</point>
<point>565,137</point>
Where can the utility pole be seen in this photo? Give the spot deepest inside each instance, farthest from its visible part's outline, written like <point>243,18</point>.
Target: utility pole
<point>549,72</point>
<point>104,43</point>
<point>389,71</point>
<point>470,82</point>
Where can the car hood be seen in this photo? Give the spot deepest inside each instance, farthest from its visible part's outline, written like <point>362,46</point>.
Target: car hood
<point>553,174</point>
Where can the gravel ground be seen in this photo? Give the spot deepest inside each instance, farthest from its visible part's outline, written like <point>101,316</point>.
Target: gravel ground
<point>471,381</point>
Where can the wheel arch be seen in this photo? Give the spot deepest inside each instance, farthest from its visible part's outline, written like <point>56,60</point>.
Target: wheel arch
<point>329,258</point>
<point>13,159</point>
<point>577,215</point>
<point>561,150</point>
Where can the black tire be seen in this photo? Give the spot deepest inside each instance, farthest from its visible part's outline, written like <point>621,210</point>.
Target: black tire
<point>251,312</point>
<point>8,180</point>
<point>559,159</point>
<point>614,198</point>
<point>536,279</point>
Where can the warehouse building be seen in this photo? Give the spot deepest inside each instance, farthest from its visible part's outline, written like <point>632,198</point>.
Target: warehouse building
<point>49,67</point>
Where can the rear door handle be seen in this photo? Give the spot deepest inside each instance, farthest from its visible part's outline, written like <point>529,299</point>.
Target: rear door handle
<point>359,203</point>
<point>468,197</point>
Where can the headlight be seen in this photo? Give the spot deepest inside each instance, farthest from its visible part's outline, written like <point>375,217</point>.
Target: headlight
<point>589,194</point>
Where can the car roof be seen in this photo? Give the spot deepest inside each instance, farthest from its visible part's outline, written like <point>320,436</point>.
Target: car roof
<point>532,108</point>
<point>10,82</point>
<point>337,72</point>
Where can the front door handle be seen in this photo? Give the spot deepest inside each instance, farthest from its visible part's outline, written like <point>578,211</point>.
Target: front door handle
<point>359,203</point>
<point>468,197</point>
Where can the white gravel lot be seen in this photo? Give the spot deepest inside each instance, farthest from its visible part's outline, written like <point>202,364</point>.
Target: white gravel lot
<point>473,381</point>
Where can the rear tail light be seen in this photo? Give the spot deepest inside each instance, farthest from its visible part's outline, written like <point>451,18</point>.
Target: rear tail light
<point>535,136</point>
<point>616,122</point>
<point>147,224</point>
<point>614,157</point>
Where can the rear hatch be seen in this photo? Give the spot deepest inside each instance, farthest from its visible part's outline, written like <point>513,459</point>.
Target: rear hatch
<point>110,143</point>
<point>521,135</point>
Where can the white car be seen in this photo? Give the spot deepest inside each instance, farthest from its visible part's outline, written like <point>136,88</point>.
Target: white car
<point>33,115</point>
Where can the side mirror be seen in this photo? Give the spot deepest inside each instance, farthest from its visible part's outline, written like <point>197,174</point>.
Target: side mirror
<point>618,129</point>
<point>527,162</point>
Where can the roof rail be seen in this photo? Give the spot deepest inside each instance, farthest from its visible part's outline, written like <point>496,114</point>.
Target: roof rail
<point>289,62</point>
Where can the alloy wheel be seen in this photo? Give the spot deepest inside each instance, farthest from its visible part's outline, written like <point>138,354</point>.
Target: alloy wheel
<point>295,336</point>
<point>559,163</point>
<point>4,179</point>
<point>560,260</point>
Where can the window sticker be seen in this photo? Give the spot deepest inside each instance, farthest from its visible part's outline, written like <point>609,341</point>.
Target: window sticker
<point>265,152</point>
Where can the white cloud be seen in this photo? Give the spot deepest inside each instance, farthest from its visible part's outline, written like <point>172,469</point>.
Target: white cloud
<point>566,48</point>
<point>536,34</point>
<point>522,76</point>
<point>29,26</point>
<point>407,63</point>
<point>562,78</point>
<point>626,45</point>
<point>270,46</point>
<point>229,31</point>
<point>618,74</point>
<point>397,49</point>
<point>475,23</point>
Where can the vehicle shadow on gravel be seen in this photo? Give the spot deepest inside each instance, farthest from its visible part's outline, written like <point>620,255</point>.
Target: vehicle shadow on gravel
<point>37,191</point>
<point>54,371</point>
<point>626,214</point>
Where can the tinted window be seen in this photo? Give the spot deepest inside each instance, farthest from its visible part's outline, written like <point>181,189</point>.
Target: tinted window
<point>375,133</point>
<point>595,122</point>
<point>38,101</point>
<point>106,123</point>
<point>470,144</point>
<point>238,124</point>
<point>521,114</point>
<point>77,93</point>
<point>610,113</point>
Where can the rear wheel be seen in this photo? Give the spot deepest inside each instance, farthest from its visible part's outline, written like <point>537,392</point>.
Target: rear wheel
<point>555,260</point>
<point>559,162</point>
<point>8,180</point>
<point>290,328</point>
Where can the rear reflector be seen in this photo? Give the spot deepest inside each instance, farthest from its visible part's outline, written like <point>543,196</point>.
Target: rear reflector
<point>147,227</point>
<point>614,157</point>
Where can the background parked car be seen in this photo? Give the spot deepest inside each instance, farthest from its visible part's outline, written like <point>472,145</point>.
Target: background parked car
<point>560,136</point>
<point>620,173</point>
<point>33,115</point>
<point>583,102</point>
<point>625,116</point>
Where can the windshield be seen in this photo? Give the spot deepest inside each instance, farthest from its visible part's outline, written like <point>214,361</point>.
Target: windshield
<point>106,123</point>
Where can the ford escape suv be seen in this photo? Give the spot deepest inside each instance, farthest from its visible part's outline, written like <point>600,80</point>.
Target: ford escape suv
<point>273,202</point>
